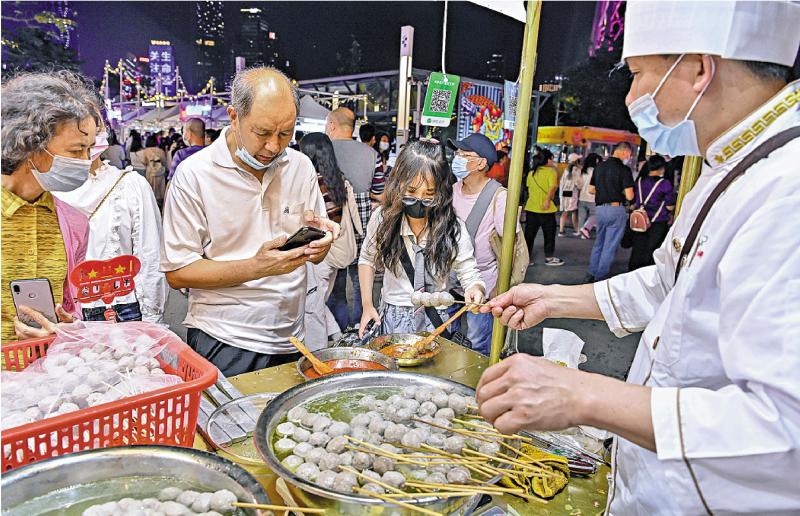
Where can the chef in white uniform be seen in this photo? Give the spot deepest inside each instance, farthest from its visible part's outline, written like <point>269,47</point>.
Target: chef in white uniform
<point>709,419</point>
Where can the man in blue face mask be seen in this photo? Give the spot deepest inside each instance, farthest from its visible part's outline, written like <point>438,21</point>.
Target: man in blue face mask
<point>480,202</point>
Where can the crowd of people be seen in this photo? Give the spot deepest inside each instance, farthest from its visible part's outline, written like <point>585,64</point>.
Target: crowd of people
<point>412,220</point>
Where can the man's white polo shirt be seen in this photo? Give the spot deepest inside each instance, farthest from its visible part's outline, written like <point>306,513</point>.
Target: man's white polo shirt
<point>218,211</point>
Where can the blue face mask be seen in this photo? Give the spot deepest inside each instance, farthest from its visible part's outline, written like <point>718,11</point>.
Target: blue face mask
<point>679,140</point>
<point>65,174</point>
<point>459,167</point>
<point>249,160</point>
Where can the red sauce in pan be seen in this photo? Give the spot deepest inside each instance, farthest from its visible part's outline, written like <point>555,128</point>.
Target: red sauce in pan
<point>346,365</point>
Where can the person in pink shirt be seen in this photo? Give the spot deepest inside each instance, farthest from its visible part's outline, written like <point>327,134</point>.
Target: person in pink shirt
<point>480,202</point>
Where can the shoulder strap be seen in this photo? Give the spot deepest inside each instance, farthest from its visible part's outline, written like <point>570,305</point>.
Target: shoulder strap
<point>97,208</point>
<point>761,152</point>
<point>433,315</point>
<point>478,211</point>
<point>652,191</point>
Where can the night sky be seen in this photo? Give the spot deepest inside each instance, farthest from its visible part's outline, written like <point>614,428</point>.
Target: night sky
<point>310,34</point>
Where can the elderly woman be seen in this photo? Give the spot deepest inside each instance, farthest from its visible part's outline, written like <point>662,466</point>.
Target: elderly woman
<point>50,122</point>
<point>123,219</point>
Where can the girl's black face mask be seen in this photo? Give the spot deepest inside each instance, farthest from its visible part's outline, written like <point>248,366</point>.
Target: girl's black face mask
<point>416,208</point>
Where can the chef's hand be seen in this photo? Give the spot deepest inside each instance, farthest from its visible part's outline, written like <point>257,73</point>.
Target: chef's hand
<point>319,248</point>
<point>368,314</point>
<point>474,296</point>
<point>524,392</point>
<point>521,307</point>
<point>25,331</point>
<point>271,261</point>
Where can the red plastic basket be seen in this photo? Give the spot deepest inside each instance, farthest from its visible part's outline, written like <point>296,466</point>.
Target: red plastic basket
<point>164,416</point>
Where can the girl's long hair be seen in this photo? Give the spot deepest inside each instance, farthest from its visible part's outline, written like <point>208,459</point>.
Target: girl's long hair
<point>540,159</point>
<point>442,227</point>
<point>319,148</point>
<point>590,161</point>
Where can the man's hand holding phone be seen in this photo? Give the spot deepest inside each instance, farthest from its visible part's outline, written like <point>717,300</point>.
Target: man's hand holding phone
<point>317,249</point>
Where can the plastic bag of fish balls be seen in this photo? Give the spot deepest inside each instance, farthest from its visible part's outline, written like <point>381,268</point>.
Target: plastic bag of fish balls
<point>171,501</point>
<point>437,299</point>
<point>87,364</point>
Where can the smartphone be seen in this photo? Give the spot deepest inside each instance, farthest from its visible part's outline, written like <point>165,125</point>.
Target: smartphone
<point>34,293</point>
<point>301,237</point>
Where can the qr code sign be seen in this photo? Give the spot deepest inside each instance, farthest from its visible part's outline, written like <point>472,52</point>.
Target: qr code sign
<point>511,107</point>
<point>440,100</point>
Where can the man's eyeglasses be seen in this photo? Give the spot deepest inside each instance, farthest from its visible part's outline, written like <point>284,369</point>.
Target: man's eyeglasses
<point>409,200</point>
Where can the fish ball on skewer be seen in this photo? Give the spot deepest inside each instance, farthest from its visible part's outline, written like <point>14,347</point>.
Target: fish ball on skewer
<point>383,464</point>
<point>442,422</point>
<point>394,479</point>
<point>284,446</point>
<point>402,415</point>
<point>346,458</point>
<point>296,414</point>
<point>373,415</point>
<point>446,298</point>
<point>360,420</point>
<point>187,498</point>
<point>425,299</point>
<point>423,394</point>
<point>285,429</point>
<point>307,471</point>
<point>300,434</point>
<point>394,399</point>
<point>410,404</point>
<point>436,440</point>
<point>315,455</point>
<point>374,488</point>
<point>302,449</point>
<point>389,448</point>
<point>420,475</point>
<point>437,478</point>
<point>458,403</point>
<point>394,432</point>
<point>445,413</point>
<point>360,433</point>
<point>292,462</point>
<point>223,500</point>
<point>345,481</point>
<point>319,439</point>
<point>454,444</point>
<point>427,408</point>
<point>458,475</point>
<point>321,423</point>
<point>337,444</point>
<point>338,428</point>
<point>203,502</point>
<point>375,439</point>
<point>369,474</point>
<point>491,448</point>
<point>326,479</point>
<point>330,461</point>
<point>409,392</point>
<point>439,398</point>
<point>169,493</point>
<point>378,426</point>
<point>362,461</point>
<point>416,298</point>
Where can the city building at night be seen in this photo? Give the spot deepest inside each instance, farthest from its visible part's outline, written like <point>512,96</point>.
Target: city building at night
<point>255,42</point>
<point>210,56</point>
<point>495,68</point>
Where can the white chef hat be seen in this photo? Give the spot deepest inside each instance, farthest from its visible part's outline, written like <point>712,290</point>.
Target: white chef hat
<point>766,31</point>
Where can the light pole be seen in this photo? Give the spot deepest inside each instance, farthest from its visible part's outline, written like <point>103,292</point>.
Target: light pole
<point>559,79</point>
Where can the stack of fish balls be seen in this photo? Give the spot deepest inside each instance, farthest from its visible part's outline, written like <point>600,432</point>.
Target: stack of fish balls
<point>315,446</point>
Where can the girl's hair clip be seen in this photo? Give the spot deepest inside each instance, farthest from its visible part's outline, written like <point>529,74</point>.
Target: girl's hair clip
<point>429,140</point>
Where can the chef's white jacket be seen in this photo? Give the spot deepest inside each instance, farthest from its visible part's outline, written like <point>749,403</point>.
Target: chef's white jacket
<point>721,347</point>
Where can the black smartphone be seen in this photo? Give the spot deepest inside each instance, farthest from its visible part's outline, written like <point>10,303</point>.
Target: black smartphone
<point>301,237</point>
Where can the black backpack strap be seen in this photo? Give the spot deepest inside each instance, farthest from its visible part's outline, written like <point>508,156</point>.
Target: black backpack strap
<point>431,312</point>
<point>760,152</point>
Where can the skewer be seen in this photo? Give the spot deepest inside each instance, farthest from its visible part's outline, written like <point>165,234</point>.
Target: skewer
<point>396,502</point>
<point>424,343</point>
<point>484,489</point>
<point>267,507</point>
<point>462,431</point>
<point>512,462</point>
<point>436,494</point>
<point>370,479</point>
<point>476,469</point>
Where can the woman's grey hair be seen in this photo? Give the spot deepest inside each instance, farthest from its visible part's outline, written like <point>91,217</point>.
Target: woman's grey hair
<point>34,104</point>
<point>243,88</point>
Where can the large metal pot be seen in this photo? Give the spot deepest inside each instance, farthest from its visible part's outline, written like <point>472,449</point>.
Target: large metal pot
<point>335,502</point>
<point>67,472</point>
<point>347,354</point>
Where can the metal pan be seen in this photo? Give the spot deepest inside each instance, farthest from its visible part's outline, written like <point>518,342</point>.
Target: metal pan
<point>326,354</point>
<point>402,341</point>
<point>312,495</point>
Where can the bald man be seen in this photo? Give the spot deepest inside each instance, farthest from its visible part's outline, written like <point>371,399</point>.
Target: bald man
<point>194,135</point>
<point>363,167</point>
<point>230,208</point>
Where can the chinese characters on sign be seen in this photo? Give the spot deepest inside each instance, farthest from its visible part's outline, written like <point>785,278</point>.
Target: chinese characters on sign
<point>162,66</point>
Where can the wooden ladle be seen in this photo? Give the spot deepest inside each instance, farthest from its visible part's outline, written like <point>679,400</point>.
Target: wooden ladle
<point>319,366</point>
<point>420,346</point>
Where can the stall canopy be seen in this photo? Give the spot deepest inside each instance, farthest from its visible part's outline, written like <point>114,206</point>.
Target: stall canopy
<point>310,108</point>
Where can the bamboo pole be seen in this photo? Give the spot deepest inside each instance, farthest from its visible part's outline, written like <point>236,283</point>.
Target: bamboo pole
<point>527,68</point>
<point>689,175</point>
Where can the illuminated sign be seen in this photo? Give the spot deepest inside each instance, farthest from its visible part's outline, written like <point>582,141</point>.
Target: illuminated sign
<point>162,66</point>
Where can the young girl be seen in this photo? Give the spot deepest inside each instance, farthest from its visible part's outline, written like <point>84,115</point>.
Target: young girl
<point>570,189</point>
<point>417,225</point>
<point>540,210</point>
